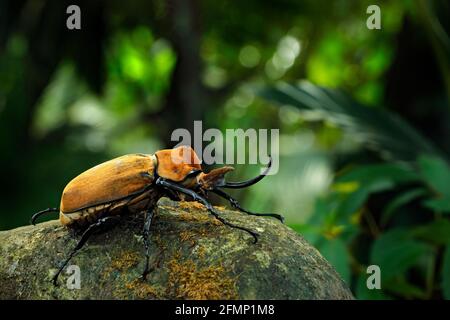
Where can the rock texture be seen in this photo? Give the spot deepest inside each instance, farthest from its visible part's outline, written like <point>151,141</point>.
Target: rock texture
<point>196,256</point>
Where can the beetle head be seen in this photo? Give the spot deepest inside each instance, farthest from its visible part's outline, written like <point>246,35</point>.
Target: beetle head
<point>182,165</point>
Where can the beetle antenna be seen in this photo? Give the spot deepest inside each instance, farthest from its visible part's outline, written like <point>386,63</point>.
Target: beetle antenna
<point>243,184</point>
<point>40,213</point>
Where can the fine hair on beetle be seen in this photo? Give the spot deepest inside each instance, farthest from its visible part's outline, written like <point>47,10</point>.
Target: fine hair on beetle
<point>132,184</point>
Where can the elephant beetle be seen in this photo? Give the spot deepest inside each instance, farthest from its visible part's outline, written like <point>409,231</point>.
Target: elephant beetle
<point>132,184</point>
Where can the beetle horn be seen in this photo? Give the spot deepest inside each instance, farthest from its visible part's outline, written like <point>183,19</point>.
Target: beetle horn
<point>243,184</point>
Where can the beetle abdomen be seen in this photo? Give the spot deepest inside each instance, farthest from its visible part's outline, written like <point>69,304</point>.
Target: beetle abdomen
<point>89,215</point>
<point>108,182</point>
<point>84,216</point>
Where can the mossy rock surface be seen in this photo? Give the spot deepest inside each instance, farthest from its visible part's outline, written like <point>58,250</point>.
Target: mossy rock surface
<point>196,257</point>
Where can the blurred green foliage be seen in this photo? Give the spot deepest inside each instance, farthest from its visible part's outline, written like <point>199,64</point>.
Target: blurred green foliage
<point>363,114</point>
<point>405,230</point>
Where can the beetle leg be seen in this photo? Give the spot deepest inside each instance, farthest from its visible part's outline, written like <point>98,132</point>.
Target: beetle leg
<point>148,222</point>
<point>89,231</point>
<point>235,204</point>
<point>172,195</point>
<point>208,205</point>
<point>40,213</point>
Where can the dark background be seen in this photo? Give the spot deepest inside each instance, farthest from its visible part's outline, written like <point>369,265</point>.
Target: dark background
<point>364,137</point>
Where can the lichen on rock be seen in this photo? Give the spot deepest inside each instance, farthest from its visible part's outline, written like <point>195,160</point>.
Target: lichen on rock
<point>195,257</point>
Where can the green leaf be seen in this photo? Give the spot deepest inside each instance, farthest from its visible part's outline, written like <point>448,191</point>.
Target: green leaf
<point>439,205</point>
<point>368,174</point>
<point>364,293</point>
<point>352,203</point>
<point>437,232</point>
<point>446,273</point>
<point>436,173</point>
<point>395,252</point>
<point>317,221</point>
<point>405,289</point>
<point>371,179</point>
<point>400,201</point>
<point>335,251</point>
<point>378,129</point>
<point>323,207</point>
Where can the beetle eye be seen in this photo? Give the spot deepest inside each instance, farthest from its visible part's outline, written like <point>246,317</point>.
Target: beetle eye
<point>189,180</point>
<point>193,173</point>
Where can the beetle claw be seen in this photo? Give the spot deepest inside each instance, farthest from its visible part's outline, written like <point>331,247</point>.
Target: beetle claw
<point>281,218</point>
<point>144,275</point>
<point>55,281</point>
<point>255,237</point>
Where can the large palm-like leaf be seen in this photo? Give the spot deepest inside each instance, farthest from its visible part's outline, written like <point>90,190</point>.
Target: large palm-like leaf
<point>378,129</point>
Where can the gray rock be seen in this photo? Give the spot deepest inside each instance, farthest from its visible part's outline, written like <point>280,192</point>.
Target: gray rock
<point>196,256</point>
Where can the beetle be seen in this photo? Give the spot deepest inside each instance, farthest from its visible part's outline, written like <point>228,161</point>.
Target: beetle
<point>131,184</point>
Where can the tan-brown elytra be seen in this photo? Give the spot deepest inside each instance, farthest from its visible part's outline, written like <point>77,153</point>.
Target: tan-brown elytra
<point>132,184</point>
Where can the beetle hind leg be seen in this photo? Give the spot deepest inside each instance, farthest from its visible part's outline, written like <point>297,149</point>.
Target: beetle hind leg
<point>146,234</point>
<point>93,228</point>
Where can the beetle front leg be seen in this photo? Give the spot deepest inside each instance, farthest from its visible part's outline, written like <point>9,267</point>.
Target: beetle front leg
<point>235,204</point>
<point>146,234</point>
<point>196,197</point>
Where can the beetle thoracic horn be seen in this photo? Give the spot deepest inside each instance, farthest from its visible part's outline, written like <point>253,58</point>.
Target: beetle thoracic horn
<point>243,184</point>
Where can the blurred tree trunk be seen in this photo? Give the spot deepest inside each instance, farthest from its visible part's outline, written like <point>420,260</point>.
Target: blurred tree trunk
<point>33,47</point>
<point>185,101</point>
<point>34,40</point>
<point>426,109</point>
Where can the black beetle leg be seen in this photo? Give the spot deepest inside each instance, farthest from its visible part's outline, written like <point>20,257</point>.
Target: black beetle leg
<point>235,204</point>
<point>172,195</point>
<point>196,197</point>
<point>148,222</point>
<point>99,225</point>
<point>40,213</point>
